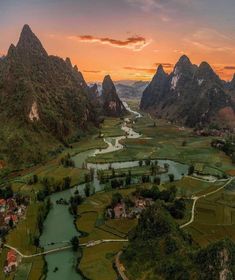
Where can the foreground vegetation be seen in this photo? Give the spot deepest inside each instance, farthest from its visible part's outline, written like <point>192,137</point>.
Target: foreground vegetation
<point>158,249</point>
<point>97,261</point>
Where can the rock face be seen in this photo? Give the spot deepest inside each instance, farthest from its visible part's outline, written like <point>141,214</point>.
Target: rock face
<point>190,95</point>
<point>41,94</point>
<point>112,105</point>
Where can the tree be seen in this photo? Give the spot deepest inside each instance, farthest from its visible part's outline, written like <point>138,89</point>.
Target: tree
<point>92,174</point>
<point>11,223</point>
<point>116,198</point>
<point>128,178</point>
<point>140,163</point>
<point>153,222</point>
<point>184,143</point>
<point>36,241</point>
<point>171,177</point>
<point>87,178</point>
<point>157,180</point>
<point>87,189</point>
<point>166,166</point>
<point>67,181</point>
<point>147,162</point>
<point>74,202</point>
<point>75,243</point>
<point>153,169</point>
<point>113,172</point>
<point>190,170</point>
<point>233,157</point>
<point>35,178</point>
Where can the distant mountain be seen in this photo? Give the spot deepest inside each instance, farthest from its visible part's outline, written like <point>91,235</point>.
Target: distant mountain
<point>190,95</point>
<point>131,90</point>
<point>106,96</point>
<point>44,102</point>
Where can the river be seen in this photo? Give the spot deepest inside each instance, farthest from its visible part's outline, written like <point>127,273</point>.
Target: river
<point>59,224</point>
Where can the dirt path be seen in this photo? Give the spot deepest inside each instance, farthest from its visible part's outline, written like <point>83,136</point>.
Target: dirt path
<point>89,244</point>
<point>120,267</point>
<point>196,198</point>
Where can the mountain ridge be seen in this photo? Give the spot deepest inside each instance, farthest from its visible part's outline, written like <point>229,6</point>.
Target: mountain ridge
<point>191,95</point>
<point>41,97</point>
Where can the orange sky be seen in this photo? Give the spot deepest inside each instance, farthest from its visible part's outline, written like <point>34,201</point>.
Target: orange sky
<point>127,38</point>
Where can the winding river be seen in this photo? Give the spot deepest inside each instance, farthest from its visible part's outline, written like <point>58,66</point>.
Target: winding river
<point>59,225</point>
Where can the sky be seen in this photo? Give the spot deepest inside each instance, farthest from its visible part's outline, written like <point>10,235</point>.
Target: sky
<point>127,39</point>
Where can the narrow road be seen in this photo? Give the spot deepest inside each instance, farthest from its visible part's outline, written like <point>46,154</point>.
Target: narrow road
<point>88,244</point>
<point>38,254</point>
<point>196,198</point>
<point>120,267</point>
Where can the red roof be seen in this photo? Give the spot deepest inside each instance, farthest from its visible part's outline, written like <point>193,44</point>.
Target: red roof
<point>14,218</point>
<point>2,202</point>
<point>11,256</point>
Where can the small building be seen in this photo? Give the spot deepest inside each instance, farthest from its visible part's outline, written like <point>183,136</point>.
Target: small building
<point>2,205</point>
<point>12,262</point>
<point>120,211</point>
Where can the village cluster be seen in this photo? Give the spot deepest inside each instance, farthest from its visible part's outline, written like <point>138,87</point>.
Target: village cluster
<point>126,208</point>
<point>11,211</point>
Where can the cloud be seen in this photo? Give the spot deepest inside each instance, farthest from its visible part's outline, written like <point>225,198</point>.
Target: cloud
<point>211,40</point>
<point>149,70</point>
<point>165,65</point>
<point>92,71</point>
<point>229,67</point>
<point>141,69</point>
<point>149,5</point>
<point>165,10</point>
<point>135,43</point>
<point>179,51</point>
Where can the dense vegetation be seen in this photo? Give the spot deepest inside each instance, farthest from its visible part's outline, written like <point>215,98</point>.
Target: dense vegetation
<point>44,102</point>
<point>227,146</point>
<point>159,249</point>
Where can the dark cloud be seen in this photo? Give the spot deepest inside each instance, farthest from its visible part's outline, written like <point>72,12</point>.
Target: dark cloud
<point>165,65</point>
<point>229,67</point>
<point>136,43</point>
<point>92,71</point>
<point>147,70</point>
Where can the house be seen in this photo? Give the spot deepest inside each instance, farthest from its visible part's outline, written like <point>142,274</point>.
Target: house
<point>12,262</point>
<point>2,205</point>
<point>120,211</point>
<point>11,204</point>
<point>14,218</point>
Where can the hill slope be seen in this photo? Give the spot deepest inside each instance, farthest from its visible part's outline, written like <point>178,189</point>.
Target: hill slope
<point>190,95</point>
<point>43,101</point>
<point>158,249</point>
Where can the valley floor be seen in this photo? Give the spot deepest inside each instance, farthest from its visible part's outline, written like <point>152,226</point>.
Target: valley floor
<point>214,215</point>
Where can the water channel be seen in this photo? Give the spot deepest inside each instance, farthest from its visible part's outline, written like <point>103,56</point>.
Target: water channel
<point>59,224</point>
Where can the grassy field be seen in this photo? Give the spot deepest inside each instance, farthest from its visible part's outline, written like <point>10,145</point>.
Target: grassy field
<point>135,171</point>
<point>21,238</point>
<point>189,186</point>
<point>112,127</point>
<point>169,141</point>
<point>97,261</point>
<point>214,219</point>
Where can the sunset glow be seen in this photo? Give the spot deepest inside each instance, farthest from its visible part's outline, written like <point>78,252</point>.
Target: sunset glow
<point>127,39</point>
